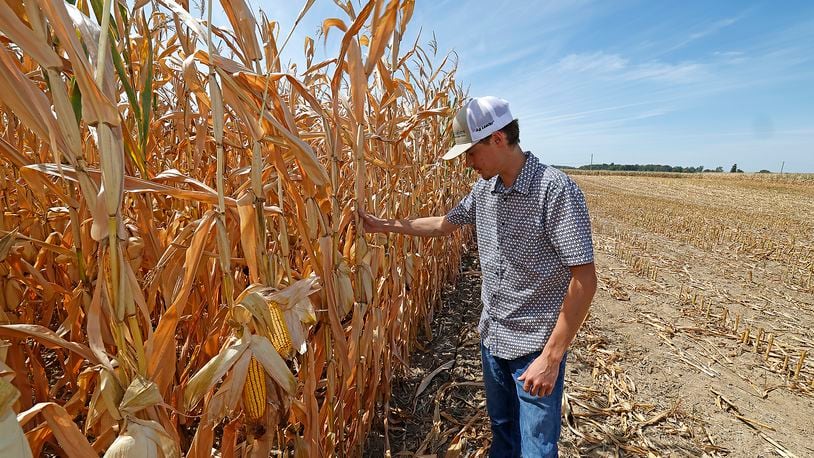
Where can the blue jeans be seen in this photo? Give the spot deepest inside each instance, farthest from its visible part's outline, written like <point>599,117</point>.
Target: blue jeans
<point>522,424</point>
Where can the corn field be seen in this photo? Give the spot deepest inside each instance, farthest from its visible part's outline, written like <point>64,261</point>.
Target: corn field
<point>180,264</point>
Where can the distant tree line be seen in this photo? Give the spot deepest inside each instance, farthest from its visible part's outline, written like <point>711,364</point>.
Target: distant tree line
<point>652,168</point>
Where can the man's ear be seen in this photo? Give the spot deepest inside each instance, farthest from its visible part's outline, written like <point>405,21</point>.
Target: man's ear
<point>498,137</point>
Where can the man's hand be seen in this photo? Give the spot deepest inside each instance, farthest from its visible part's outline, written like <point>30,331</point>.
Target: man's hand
<point>542,373</point>
<point>371,223</point>
<point>540,377</point>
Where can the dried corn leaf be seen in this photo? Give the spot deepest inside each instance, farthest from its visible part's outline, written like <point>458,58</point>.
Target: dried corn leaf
<point>96,108</point>
<point>244,24</point>
<point>381,35</point>
<point>61,424</point>
<point>141,393</point>
<point>21,35</point>
<point>214,370</point>
<point>47,337</point>
<point>131,184</point>
<point>161,347</point>
<point>273,363</point>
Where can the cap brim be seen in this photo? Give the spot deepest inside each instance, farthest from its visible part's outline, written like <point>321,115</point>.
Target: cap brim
<point>456,151</point>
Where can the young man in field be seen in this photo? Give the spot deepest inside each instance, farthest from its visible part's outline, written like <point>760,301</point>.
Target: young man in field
<point>536,255</point>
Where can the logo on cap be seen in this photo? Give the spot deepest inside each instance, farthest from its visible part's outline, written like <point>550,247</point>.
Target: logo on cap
<point>478,129</point>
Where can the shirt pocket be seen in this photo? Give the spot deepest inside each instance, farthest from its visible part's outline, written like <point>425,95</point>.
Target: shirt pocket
<point>533,243</point>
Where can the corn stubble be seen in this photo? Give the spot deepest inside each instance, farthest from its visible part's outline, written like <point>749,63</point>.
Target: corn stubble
<point>722,255</point>
<point>181,264</point>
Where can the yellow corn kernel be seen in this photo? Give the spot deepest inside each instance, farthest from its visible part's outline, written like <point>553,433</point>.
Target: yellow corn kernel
<point>280,337</point>
<point>254,391</point>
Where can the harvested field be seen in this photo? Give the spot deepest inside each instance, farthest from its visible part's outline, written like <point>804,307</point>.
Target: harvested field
<point>710,285</point>
<point>698,342</point>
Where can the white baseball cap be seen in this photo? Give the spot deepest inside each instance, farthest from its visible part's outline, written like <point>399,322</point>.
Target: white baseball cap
<point>478,119</point>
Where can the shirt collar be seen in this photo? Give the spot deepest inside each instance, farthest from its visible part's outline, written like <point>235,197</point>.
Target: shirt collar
<point>523,181</point>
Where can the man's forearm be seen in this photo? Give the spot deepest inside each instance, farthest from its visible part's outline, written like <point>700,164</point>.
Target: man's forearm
<point>575,307</point>
<point>431,226</point>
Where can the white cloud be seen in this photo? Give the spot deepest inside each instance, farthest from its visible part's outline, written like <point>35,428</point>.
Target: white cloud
<point>573,116</point>
<point>495,61</point>
<point>730,57</point>
<point>716,26</point>
<point>687,72</point>
<point>598,62</point>
<point>713,28</point>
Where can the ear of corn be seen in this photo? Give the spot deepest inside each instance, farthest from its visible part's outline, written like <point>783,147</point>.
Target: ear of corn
<point>279,335</point>
<point>254,391</point>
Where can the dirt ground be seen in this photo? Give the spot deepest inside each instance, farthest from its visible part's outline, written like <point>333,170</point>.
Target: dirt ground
<point>689,350</point>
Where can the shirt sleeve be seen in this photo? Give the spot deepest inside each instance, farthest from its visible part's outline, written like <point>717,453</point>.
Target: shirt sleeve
<point>464,212</point>
<point>568,225</point>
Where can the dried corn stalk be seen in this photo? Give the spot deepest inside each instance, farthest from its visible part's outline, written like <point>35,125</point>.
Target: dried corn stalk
<point>178,223</point>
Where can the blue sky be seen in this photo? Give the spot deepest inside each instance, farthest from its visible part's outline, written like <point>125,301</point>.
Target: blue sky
<point>681,83</point>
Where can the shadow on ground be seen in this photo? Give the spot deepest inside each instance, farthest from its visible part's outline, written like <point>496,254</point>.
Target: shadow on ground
<point>432,414</point>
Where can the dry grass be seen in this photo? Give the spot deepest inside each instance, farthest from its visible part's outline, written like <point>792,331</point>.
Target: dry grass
<point>164,204</point>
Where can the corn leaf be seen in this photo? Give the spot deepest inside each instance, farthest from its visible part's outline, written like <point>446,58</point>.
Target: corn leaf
<point>72,441</point>
<point>273,363</point>
<point>213,371</point>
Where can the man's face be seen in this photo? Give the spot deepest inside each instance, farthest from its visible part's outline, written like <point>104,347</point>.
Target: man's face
<point>481,157</point>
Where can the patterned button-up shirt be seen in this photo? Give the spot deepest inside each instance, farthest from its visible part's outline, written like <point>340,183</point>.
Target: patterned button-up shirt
<point>529,234</point>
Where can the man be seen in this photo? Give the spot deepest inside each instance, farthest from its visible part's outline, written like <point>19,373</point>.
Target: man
<point>536,255</point>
